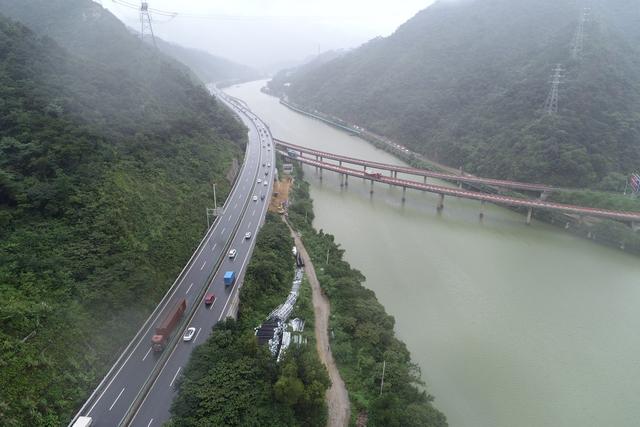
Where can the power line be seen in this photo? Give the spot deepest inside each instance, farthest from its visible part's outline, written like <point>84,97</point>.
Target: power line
<point>224,17</point>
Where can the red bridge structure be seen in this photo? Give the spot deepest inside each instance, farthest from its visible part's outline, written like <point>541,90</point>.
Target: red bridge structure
<point>318,159</point>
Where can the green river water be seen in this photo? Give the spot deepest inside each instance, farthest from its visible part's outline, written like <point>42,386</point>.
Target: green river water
<point>512,325</point>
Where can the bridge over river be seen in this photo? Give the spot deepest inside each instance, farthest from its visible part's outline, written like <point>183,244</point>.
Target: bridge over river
<point>319,159</point>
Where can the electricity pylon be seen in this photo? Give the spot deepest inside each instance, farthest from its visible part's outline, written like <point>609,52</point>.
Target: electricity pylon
<point>551,104</point>
<point>145,23</point>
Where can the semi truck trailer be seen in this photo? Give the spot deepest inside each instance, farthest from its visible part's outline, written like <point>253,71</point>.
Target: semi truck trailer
<point>168,324</point>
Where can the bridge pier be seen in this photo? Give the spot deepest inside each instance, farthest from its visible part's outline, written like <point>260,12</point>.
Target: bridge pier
<point>440,203</point>
<point>425,179</point>
<point>371,190</point>
<point>341,180</point>
<point>320,174</point>
<point>482,209</point>
<point>346,180</point>
<point>404,194</point>
<point>529,214</point>
<point>635,226</point>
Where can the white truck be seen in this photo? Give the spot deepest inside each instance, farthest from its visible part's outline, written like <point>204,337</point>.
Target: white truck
<point>83,422</point>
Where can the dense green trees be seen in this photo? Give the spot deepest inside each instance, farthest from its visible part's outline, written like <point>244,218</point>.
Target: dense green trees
<point>232,381</point>
<point>107,152</point>
<point>465,83</point>
<point>363,334</point>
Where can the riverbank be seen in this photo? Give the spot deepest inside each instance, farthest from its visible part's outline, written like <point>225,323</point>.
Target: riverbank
<point>363,338</point>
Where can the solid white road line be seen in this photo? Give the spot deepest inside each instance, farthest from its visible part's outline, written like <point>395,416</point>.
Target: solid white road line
<point>150,421</point>
<point>214,247</point>
<point>223,230</point>
<point>197,333</point>
<point>189,288</point>
<point>174,377</point>
<point>114,402</point>
<point>254,212</point>
<point>229,220</point>
<point>203,264</point>
<point>148,351</point>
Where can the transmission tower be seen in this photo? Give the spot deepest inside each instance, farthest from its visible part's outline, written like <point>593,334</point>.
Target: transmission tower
<point>145,23</point>
<point>578,38</point>
<point>551,104</point>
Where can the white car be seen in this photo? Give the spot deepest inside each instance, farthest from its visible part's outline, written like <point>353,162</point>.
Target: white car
<point>232,253</point>
<point>188,334</point>
<point>259,180</point>
<point>265,183</point>
<point>255,198</point>
<point>268,165</point>
<point>247,235</point>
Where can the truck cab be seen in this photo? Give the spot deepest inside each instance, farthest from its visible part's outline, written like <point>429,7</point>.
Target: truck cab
<point>229,278</point>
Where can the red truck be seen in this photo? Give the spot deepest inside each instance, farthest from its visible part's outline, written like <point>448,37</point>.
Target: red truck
<point>164,329</point>
<point>372,174</point>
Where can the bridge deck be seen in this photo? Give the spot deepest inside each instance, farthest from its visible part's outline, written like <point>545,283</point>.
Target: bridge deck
<point>418,172</point>
<point>467,194</point>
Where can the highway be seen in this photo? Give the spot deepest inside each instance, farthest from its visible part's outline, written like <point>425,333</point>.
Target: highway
<point>119,393</point>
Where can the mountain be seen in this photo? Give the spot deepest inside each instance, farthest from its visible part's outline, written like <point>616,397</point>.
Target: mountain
<point>107,153</point>
<point>465,83</point>
<point>207,67</point>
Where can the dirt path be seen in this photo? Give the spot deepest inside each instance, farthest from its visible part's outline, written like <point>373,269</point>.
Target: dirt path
<point>337,396</point>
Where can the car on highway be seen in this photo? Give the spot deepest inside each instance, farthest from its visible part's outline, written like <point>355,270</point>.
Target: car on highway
<point>255,198</point>
<point>262,197</point>
<point>233,253</point>
<point>188,334</point>
<point>259,180</point>
<point>263,165</point>
<point>265,184</point>
<point>209,299</point>
<point>268,165</point>
<point>247,235</point>
<point>266,174</point>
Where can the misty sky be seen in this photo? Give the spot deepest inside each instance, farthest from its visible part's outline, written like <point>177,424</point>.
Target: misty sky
<point>270,34</point>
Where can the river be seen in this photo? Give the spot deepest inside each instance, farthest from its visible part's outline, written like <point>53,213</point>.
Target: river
<point>512,325</point>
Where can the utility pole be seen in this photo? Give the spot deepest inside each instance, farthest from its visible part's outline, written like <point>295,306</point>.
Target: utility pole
<point>384,365</point>
<point>213,213</point>
<point>551,104</point>
<point>145,23</point>
<point>215,201</point>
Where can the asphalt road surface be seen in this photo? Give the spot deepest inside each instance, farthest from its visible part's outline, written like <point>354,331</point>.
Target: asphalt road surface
<point>115,399</point>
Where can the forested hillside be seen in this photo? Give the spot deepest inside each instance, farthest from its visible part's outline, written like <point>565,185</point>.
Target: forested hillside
<point>107,153</point>
<point>208,68</point>
<point>465,83</point>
